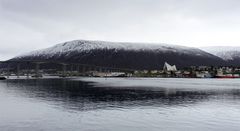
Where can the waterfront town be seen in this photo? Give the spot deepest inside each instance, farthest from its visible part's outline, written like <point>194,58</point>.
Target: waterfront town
<point>192,72</point>
<point>168,71</point>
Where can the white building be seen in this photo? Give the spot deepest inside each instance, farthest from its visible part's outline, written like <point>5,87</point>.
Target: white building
<point>168,67</point>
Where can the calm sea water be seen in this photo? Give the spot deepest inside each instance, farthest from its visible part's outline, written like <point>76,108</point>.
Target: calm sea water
<point>120,104</point>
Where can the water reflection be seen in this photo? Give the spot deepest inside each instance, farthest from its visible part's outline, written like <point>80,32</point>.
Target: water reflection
<point>83,96</point>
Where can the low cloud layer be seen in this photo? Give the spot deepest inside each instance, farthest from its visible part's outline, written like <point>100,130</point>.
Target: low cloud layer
<point>27,25</point>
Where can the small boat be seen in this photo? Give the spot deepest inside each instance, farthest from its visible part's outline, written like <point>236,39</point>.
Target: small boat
<point>2,78</point>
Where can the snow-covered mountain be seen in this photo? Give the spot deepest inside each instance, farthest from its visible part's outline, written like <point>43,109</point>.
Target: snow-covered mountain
<point>224,52</point>
<point>123,54</point>
<point>230,54</point>
<point>86,46</point>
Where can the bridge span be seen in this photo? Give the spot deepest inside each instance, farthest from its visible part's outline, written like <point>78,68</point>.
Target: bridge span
<point>14,67</point>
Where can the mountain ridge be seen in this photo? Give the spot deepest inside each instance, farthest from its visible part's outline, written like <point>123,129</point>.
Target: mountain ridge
<point>123,54</point>
<point>75,44</point>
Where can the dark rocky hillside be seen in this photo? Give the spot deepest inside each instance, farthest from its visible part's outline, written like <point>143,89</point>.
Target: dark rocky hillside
<point>153,58</point>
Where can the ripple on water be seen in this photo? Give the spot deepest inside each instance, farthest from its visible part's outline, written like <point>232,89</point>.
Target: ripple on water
<point>120,104</point>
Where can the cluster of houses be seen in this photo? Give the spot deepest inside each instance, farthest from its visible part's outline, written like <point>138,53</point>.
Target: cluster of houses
<point>192,72</point>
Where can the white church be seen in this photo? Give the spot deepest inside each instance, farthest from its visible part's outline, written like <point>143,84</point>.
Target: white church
<point>168,67</point>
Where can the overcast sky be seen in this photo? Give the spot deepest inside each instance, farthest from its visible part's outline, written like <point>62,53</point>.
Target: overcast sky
<point>27,25</point>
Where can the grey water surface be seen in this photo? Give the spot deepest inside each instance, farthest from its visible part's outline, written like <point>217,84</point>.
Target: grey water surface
<point>120,104</point>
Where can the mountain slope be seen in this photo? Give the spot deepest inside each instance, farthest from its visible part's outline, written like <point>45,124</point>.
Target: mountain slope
<point>227,53</point>
<point>123,55</point>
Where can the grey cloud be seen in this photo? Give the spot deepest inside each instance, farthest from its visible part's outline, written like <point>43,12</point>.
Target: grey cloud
<point>35,24</point>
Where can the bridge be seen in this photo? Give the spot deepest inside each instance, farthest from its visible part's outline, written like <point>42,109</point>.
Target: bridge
<point>15,67</point>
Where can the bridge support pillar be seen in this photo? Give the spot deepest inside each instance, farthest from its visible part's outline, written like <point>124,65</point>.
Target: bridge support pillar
<point>28,73</point>
<point>72,71</point>
<point>89,68</point>
<point>83,69</point>
<point>63,70</point>
<point>8,71</point>
<point>28,70</point>
<point>37,70</point>
<point>18,70</point>
<point>77,70</point>
<point>100,69</point>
